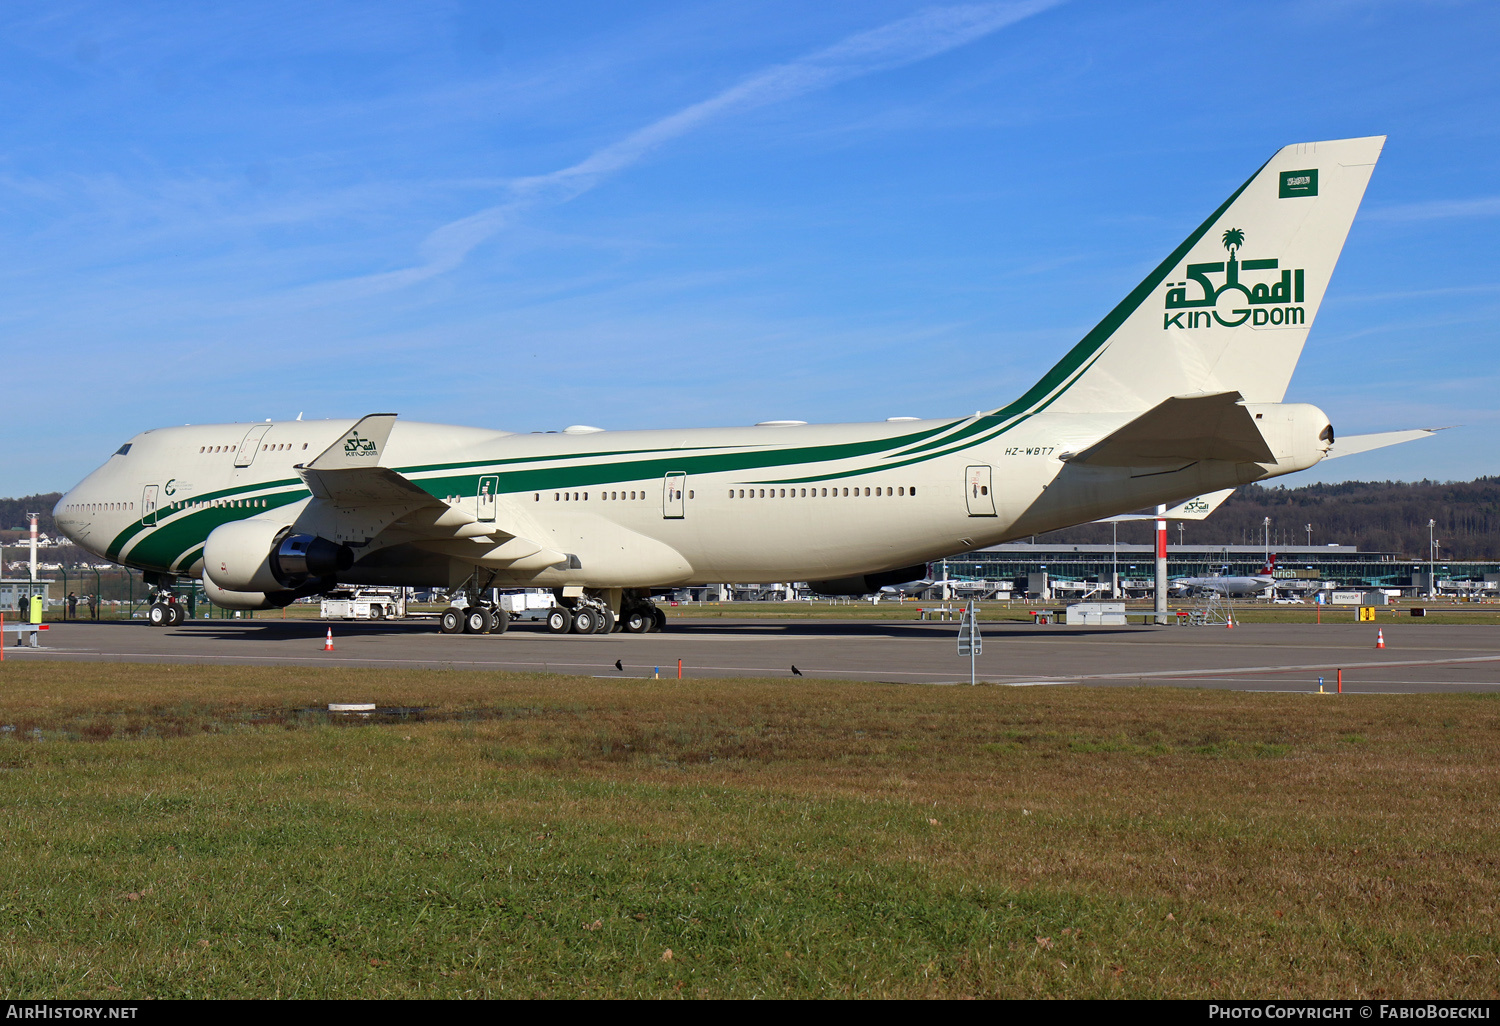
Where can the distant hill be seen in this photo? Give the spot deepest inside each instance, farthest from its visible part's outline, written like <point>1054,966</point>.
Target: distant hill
<point>1377,516</point>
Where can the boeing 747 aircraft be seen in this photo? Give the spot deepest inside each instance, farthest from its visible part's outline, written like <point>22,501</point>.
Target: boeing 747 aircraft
<point>1176,393</point>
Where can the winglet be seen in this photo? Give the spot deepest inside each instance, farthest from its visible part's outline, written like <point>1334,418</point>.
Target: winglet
<point>361,446</point>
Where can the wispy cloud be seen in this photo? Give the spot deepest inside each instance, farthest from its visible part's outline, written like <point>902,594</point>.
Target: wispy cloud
<point>905,41</point>
<point>1434,210</point>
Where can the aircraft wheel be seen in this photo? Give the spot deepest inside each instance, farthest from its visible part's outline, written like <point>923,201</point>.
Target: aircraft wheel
<point>377,613</point>
<point>478,620</point>
<point>606,622</point>
<point>502,621</point>
<point>559,620</point>
<point>452,621</point>
<point>658,619</point>
<point>175,615</point>
<point>638,621</point>
<point>585,621</point>
<point>158,615</point>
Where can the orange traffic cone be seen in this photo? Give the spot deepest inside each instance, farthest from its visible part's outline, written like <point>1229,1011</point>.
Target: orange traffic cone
<point>1229,622</point>
<point>1380,639</point>
<point>328,641</point>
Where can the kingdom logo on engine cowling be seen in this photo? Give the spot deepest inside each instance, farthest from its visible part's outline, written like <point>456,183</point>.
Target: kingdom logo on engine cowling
<point>1275,302</point>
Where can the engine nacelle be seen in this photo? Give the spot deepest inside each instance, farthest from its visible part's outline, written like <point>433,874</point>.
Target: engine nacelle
<point>250,556</point>
<point>245,599</point>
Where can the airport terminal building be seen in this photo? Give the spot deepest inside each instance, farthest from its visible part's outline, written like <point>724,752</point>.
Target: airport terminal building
<point>1045,571</point>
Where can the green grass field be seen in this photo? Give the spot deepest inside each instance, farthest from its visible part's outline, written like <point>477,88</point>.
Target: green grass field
<point>209,832</point>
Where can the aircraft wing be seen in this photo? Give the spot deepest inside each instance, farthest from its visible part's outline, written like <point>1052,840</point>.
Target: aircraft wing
<point>356,501</point>
<point>1348,445</point>
<point>1183,429</point>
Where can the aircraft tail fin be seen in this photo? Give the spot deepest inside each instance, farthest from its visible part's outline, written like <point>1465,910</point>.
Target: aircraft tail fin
<point>1229,309</point>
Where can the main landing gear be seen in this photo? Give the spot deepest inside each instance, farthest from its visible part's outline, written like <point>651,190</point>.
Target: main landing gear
<point>592,614</point>
<point>479,615</point>
<point>474,620</point>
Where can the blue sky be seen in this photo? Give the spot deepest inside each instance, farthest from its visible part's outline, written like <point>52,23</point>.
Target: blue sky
<point>525,216</point>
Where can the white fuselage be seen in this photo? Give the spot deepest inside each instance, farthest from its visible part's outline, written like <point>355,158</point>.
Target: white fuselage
<point>635,508</point>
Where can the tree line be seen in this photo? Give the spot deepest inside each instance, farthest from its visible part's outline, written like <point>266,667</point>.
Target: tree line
<point>1376,516</point>
<point>13,513</point>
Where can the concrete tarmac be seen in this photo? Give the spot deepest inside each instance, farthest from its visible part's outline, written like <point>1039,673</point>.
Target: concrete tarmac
<point>1252,657</point>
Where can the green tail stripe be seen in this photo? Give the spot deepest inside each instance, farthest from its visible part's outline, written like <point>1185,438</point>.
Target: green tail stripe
<point>1097,339</point>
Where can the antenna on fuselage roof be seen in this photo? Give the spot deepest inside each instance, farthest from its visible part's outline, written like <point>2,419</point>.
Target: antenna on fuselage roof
<point>299,415</point>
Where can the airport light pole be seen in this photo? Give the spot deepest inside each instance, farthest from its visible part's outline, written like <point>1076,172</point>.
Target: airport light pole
<point>1161,564</point>
<point>1309,535</point>
<point>1267,525</point>
<point>33,517</point>
<point>1431,560</point>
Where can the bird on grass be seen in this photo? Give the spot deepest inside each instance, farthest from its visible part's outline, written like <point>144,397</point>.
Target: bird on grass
<point>796,672</point>
<point>618,666</point>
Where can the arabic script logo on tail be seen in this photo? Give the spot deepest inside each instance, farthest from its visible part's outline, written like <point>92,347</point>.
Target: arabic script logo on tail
<point>1266,304</point>
<point>357,446</point>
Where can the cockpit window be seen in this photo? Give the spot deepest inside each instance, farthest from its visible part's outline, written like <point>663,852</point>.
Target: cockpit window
<point>123,449</point>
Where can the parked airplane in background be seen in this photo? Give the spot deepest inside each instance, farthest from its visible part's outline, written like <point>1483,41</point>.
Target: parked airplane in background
<point>1234,587</point>
<point>1177,392</point>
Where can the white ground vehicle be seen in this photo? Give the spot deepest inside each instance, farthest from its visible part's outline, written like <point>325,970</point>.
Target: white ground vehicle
<point>365,604</point>
<point>527,605</point>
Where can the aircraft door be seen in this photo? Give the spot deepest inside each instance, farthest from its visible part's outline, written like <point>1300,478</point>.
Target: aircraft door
<point>250,445</point>
<point>978,492</point>
<point>148,506</point>
<point>673,488</point>
<point>485,506</point>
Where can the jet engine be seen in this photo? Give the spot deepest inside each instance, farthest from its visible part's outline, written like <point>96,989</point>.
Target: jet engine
<point>249,556</point>
<point>246,599</point>
<point>866,584</point>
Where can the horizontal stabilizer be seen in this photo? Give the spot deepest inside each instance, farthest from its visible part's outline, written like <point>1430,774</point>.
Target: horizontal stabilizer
<point>1183,429</point>
<point>1196,508</point>
<point>1348,445</point>
<point>361,446</point>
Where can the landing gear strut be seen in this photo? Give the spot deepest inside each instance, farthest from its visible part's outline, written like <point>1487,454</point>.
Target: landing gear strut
<point>164,610</point>
<point>478,614</point>
<point>639,615</point>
